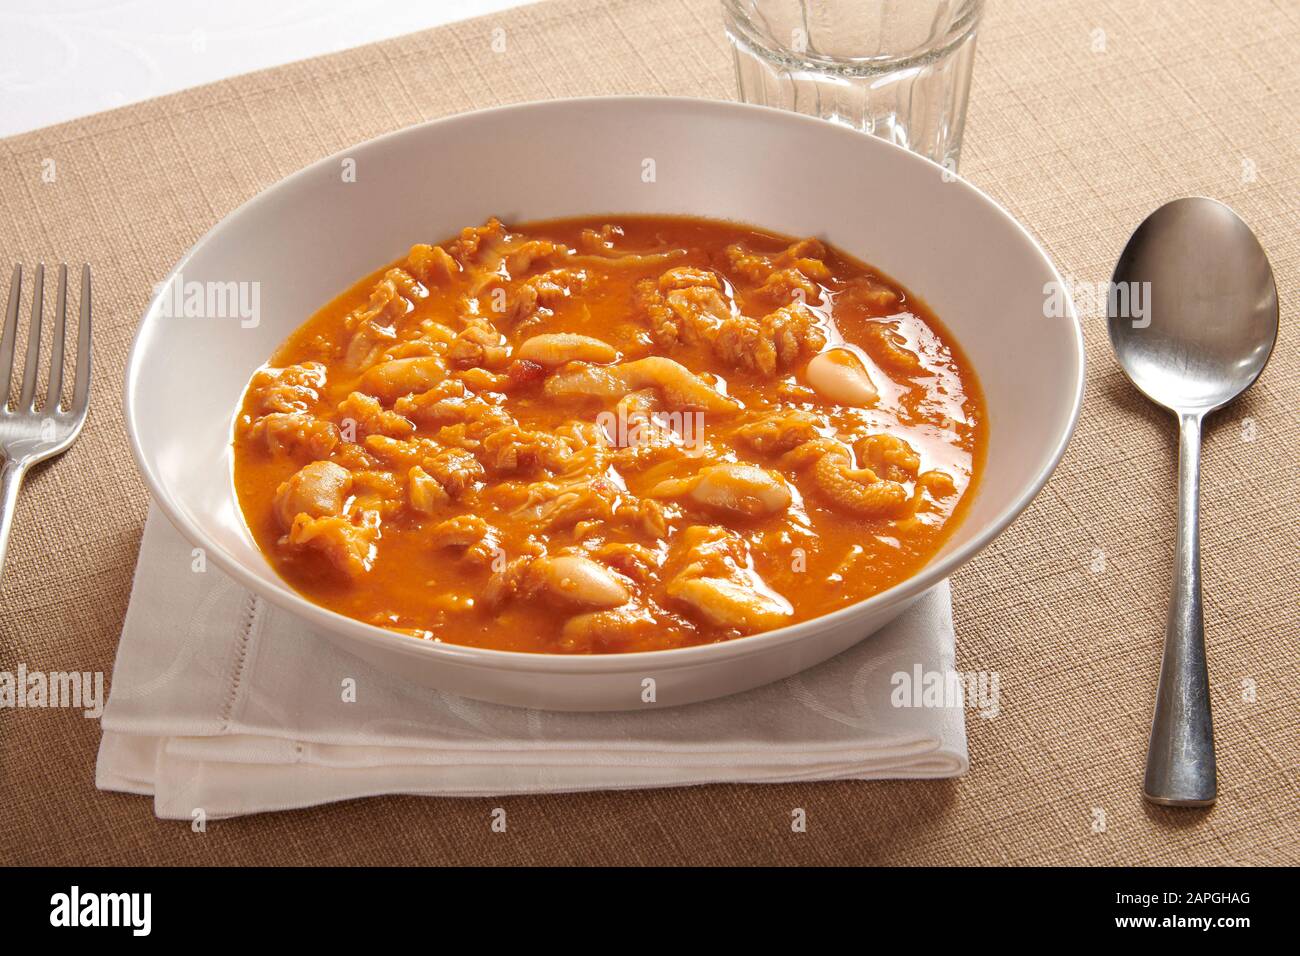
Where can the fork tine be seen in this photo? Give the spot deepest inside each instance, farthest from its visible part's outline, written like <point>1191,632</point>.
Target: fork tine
<point>53,391</point>
<point>10,334</point>
<point>81,384</point>
<point>33,364</point>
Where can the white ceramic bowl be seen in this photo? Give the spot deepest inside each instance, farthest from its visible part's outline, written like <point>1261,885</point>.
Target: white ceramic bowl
<point>309,237</point>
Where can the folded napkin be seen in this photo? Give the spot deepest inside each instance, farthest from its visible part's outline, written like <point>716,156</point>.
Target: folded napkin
<point>204,719</point>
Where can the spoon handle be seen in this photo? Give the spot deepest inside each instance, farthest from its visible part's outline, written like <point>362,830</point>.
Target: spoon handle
<point>1180,756</point>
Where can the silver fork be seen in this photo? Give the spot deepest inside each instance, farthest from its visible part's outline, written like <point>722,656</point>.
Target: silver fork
<point>29,434</point>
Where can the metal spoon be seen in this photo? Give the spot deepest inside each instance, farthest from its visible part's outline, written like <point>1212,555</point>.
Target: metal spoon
<point>1193,318</point>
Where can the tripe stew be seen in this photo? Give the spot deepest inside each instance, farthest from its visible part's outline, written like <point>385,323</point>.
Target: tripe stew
<point>622,433</point>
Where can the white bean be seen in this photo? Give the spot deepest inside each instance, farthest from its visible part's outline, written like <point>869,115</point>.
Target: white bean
<point>729,604</point>
<point>837,375</point>
<point>574,579</point>
<point>555,349</point>
<point>741,489</point>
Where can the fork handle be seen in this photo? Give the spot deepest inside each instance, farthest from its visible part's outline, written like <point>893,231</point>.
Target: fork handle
<point>11,479</point>
<point>1180,756</point>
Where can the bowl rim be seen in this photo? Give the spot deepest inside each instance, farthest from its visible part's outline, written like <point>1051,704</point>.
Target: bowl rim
<point>335,624</point>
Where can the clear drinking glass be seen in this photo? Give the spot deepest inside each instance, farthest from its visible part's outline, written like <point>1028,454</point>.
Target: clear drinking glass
<point>899,69</point>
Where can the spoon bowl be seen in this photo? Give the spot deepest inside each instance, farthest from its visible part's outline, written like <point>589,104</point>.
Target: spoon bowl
<point>1202,311</point>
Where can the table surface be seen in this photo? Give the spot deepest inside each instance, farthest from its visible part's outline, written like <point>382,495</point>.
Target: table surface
<point>1085,116</point>
<point>63,59</point>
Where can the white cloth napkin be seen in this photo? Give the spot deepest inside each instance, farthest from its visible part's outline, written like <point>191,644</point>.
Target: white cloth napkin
<point>203,722</point>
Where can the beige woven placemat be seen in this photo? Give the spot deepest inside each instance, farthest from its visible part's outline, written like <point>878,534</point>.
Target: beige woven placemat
<point>1085,115</point>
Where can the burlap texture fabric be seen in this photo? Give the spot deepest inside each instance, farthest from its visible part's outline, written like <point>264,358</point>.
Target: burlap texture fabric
<point>1085,115</point>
